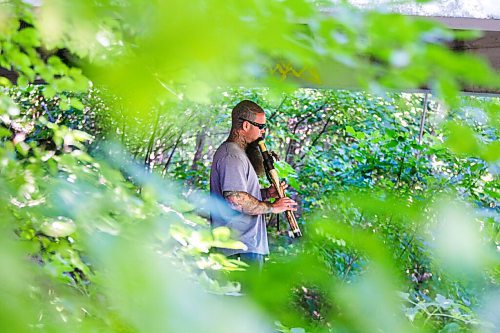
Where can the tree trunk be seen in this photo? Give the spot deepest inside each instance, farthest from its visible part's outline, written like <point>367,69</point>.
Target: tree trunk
<point>172,152</point>
<point>151,143</point>
<point>200,145</point>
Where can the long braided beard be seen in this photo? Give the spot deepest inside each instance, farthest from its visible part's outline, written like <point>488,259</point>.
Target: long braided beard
<point>255,157</point>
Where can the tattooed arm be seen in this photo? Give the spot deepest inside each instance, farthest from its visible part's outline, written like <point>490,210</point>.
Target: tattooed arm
<point>248,204</point>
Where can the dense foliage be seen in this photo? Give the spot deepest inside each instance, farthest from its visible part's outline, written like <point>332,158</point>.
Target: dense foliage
<point>103,182</point>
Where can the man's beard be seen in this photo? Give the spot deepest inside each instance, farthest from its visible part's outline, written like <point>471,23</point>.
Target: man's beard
<point>255,157</point>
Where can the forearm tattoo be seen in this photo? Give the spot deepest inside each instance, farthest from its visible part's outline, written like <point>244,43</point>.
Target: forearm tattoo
<point>246,203</point>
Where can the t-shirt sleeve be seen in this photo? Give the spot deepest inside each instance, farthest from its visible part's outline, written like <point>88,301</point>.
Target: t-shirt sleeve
<point>233,175</point>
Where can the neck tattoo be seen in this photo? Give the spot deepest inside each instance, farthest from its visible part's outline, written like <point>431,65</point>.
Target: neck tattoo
<point>237,138</point>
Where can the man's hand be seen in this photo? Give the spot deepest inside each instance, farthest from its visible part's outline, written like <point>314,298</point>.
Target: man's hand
<point>283,204</point>
<point>272,192</point>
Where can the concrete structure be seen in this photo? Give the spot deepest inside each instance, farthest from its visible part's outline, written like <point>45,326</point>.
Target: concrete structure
<point>487,46</point>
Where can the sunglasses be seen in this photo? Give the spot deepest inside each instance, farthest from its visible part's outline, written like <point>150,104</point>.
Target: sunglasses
<point>260,126</point>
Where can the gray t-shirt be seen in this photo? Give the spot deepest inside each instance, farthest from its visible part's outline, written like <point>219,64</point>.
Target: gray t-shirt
<point>232,171</point>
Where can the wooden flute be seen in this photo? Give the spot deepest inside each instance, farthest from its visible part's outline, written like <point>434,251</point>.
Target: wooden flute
<point>272,175</point>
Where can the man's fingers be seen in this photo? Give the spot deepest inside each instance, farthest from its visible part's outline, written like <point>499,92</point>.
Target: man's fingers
<point>289,202</point>
<point>284,204</point>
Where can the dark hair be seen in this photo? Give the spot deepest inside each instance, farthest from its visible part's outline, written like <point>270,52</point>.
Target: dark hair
<point>245,109</point>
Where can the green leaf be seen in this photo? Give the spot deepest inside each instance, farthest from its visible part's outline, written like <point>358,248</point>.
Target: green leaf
<point>360,135</point>
<point>294,183</point>
<point>20,59</point>
<point>451,328</point>
<point>297,330</point>
<point>5,133</point>
<point>443,302</point>
<point>461,139</point>
<point>60,227</point>
<point>392,144</point>
<point>467,34</point>
<point>5,82</point>
<point>81,136</point>
<point>196,219</point>
<point>491,152</point>
<point>76,103</point>
<point>448,89</point>
<point>182,206</point>
<point>57,65</point>
<point>49,92</point>
<point>27,37</point>
<point>22,148</point>
<point>284,169</point>
<point>22,81</point>
<point>221,233</point>
<point>350,130</point>
<point>64,104</point>
<point>82,156</point>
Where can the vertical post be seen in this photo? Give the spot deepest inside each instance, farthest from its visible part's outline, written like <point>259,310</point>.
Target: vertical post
<point>422,119</point>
